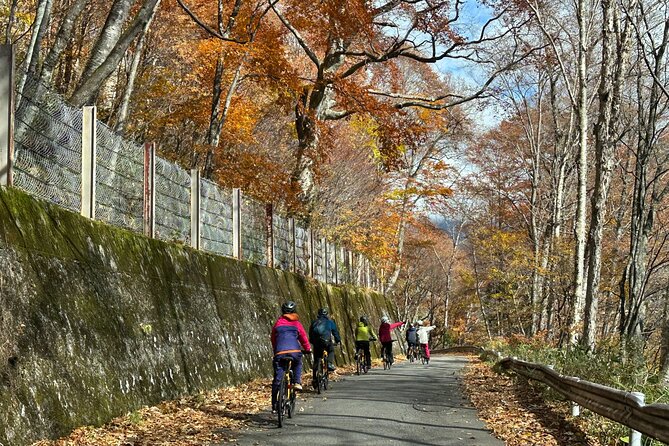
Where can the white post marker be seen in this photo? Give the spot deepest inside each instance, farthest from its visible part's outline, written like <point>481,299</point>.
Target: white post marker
<point>635,436</point>
<point>88,155</point>
<point>6,114</point>
<point>195,208</point>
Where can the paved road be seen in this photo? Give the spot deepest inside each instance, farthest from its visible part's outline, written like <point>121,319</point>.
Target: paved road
<point>409,404</point>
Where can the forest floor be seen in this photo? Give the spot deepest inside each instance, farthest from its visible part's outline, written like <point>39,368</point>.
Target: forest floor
<point>514,411</point>
<point>518,414</point>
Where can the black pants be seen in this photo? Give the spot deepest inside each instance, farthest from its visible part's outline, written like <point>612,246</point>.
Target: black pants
<point>388,348</point>
<point>364,345</point>
<point>319,348</point>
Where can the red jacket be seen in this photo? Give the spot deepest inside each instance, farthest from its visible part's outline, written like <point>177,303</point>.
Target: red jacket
<point>385,329</point>
<point>288,335</point>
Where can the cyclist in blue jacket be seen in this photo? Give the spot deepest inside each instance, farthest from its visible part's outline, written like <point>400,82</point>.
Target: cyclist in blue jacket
<point>321,332</point>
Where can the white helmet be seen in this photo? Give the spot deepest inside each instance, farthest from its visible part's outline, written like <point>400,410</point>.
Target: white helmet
<point>385,320</point>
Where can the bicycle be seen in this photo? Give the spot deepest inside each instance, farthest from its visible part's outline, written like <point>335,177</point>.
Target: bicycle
<point>322,373</point>
<point>360,362</point>
<point>412,353</point>
<point>423,356</point>
<point>387,361</point>
<point>285,401</point>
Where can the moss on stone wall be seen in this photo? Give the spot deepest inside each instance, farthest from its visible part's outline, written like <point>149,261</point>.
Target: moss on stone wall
<point>96,321</point>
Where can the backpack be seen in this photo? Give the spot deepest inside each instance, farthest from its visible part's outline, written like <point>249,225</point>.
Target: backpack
<point>321,329</point>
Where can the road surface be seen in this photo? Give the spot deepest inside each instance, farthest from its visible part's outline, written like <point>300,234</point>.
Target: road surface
<point>411,404</point>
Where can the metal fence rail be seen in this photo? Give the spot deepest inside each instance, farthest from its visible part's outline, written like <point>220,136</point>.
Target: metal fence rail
<point>64,155</point>
<point>626,408</point>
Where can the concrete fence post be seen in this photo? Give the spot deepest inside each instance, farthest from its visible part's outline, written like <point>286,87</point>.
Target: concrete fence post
<point>326,269</point>
<point>269,231</point>
<point>150,189</point>
<point>335,250</point>
<point>368,279</point>
<point>635,436</point>
<point>195,219</point>
<point>237,223</point>
<point>6,114</point>
<point>349,266</point>
<point>88,155</point>
<point>293,244</point>
<point>312,252</point>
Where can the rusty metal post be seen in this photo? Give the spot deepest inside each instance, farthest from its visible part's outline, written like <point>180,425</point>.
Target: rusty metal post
<point>6,114</point>
<point>150,189</point>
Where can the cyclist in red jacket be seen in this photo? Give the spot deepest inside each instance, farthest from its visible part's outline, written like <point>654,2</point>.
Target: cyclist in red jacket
<point>288,341</point>
<point>384,335</point>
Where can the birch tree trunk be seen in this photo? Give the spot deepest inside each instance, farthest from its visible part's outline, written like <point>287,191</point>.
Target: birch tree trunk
<point>109,35</point>
<point>90,85</point>
<point>613,68</point>
<point>32,53</point>
<point>580,230</point>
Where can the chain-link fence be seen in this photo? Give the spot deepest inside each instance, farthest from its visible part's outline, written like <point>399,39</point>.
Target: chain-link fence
<point>47,146</point>
<point>47,163</point>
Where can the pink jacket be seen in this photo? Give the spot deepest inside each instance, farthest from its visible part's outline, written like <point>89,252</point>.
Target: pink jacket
<point>385,329</point>
<point>288,335</point>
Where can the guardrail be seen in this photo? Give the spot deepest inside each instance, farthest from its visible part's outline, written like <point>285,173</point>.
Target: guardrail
<point>626,408</point>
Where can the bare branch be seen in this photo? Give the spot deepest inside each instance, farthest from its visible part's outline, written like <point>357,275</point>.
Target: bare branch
<point>300,40</point>
<point>208,28</point>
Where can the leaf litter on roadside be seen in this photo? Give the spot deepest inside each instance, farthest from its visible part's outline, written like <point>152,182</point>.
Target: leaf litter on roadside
<point>516,412</point>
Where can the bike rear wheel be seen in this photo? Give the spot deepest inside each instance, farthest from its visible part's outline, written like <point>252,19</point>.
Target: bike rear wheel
<point>281,402</point>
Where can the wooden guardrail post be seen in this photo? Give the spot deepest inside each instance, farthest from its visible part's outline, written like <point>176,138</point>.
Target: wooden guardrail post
<point>635,436</point>
<point>6,113</point>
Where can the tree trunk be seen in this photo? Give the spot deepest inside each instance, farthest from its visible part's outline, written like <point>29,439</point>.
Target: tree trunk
<point>62,39</point>
<point>130,84</point>
<point>32,53</point>
<point>109,35</point>
<point>89,86</point>
<point>580,231</point>
<point>10,22</point>
<point>605,138</point>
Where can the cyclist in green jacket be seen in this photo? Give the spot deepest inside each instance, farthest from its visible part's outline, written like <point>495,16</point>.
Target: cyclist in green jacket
<point>363,335</point>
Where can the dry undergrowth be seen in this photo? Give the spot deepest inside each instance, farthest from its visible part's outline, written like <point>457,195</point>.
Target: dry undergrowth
<point>517,413</point>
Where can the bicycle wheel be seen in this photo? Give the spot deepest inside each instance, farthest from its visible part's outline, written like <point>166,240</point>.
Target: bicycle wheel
<point>319,380</point>
<point>326,375</point>
<point>281,402</point>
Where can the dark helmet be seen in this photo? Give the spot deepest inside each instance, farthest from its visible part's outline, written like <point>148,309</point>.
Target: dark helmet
<point>288,307</point>
<point>323,312</point>
<point>364,320</point>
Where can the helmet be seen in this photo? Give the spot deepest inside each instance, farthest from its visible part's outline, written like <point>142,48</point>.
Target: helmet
<point>385,320</point>
<point>288,307</point>
<point>322,312</point>
<point>364,320</point>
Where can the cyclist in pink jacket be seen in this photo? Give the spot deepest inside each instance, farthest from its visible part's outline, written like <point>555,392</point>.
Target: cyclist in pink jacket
<point>384,335</point>
<point>289,340</point>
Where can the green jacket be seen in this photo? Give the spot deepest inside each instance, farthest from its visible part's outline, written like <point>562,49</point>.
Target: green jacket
<point>363,332</point>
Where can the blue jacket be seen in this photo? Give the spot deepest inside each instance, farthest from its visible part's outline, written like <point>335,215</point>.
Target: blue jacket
<point>331,330</point>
